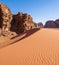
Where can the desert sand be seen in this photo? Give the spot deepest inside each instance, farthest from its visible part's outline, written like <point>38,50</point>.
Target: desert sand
<point>40,48</point>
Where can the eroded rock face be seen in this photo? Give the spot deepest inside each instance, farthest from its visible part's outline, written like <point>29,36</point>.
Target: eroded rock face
<point>22,22</point>
<point>14,23</point>
<point>5,19</point>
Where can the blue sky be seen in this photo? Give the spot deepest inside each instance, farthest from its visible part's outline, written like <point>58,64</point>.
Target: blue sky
<point>40,10</point>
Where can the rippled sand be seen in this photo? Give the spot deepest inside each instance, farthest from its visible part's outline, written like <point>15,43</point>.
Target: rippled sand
<point>40,48</point>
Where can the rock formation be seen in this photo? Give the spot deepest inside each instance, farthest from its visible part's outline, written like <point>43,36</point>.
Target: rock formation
<point>57,23</point>
<point>40,25</point>
<point>35,25</point>
<point>5,19</point>
<point>22,22</point>
<point>50,24</point>
<point>17,23</point>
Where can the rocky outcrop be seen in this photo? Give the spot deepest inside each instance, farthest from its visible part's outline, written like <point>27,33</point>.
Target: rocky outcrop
<point>17,23</point>
<point>35,24</point>
<point>22,22</point>
<point>40,25</point>
<point>5,19</point>
<point>57,23</point>
<point>50,24</point>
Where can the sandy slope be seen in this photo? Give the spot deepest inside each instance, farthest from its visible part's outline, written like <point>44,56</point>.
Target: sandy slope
<point>41,48</point>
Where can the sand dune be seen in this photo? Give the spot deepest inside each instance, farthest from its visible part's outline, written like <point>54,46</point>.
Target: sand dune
<point>40,48</point>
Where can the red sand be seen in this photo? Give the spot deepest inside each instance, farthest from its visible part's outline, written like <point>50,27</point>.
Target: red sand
<point>40,48</point>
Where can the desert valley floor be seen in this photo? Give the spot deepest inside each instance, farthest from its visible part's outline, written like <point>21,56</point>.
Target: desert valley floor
<point>40,48</point>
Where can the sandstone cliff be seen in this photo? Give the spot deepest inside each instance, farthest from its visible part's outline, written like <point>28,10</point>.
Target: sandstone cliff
<point>5,19</point>
<point>22,22</point>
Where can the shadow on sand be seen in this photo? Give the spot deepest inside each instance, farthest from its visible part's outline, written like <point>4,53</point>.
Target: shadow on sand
<point>20,37</point>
